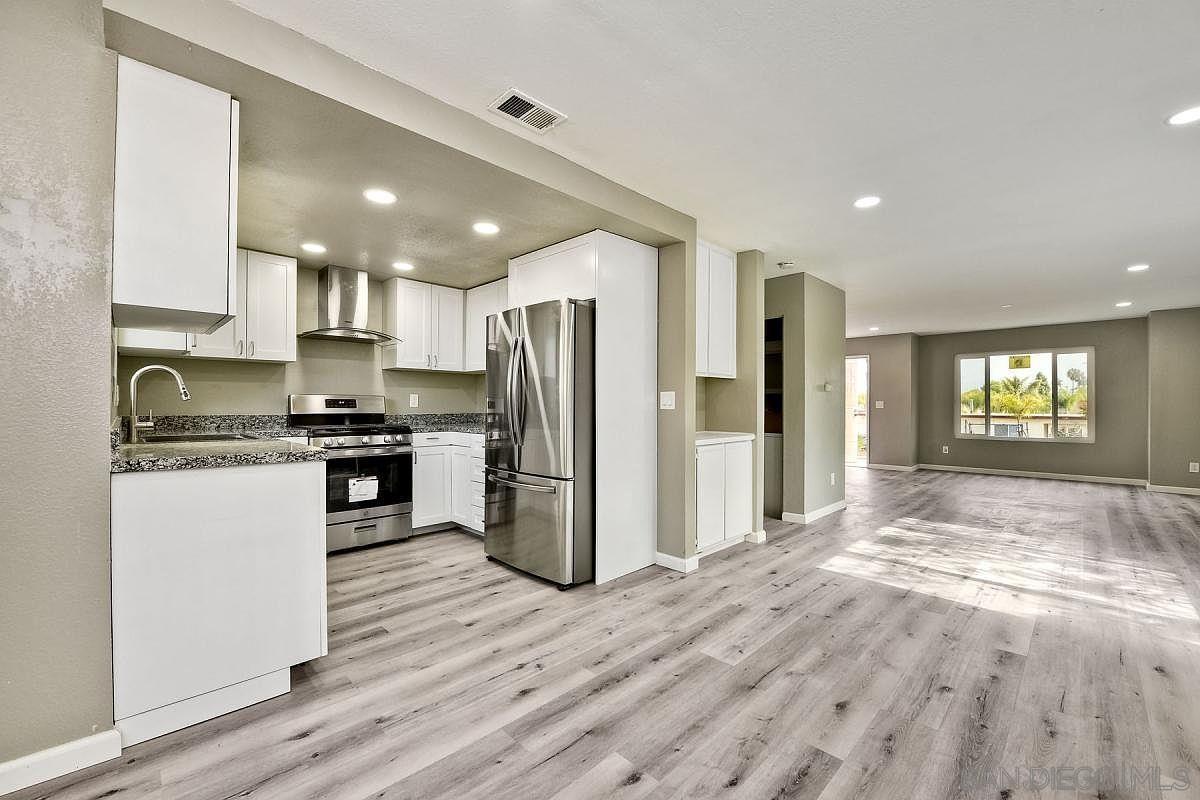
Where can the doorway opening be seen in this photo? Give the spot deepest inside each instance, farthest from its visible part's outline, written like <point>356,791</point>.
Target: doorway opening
<point>858,394</point>
<point>773,417</point>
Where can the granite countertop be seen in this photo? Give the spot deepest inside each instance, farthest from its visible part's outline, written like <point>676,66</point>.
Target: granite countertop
<point>440,423</point>
<point>150,457</point>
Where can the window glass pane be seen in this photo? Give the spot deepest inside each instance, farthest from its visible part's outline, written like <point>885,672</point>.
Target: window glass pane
<point>971,419</point>
<point>1073,395</point>
<point>1020,396</point>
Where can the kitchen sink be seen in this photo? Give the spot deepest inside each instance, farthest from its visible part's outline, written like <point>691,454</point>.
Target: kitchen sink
<point>164,438</point>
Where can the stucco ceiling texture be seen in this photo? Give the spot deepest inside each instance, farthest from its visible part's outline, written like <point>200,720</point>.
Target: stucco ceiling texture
<point>1019,147</point>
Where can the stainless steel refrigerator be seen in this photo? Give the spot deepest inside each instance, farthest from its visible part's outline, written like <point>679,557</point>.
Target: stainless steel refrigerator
<point>539,510</point>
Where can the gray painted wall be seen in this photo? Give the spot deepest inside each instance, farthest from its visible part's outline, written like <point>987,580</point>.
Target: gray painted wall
<point>893,379</point>
<point>677,373</point>
<point>1174,368</point>
<point>1119,377</point>
<point>814,349</point>
<point>56,173</point>
<point>736,404</point>
<point>321,367</point>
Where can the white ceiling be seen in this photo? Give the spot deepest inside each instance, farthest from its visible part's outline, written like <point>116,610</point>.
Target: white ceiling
<point>1019,146</point>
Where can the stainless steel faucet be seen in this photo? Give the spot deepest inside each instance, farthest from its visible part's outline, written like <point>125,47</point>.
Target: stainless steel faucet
<point>134,425</point>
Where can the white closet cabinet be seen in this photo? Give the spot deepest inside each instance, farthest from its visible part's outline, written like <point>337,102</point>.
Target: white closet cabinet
<point>716,312</point>
<point>481,303</point>
<point>427,321</point>
<point>174,202</point>
<point>724,488</point>
<point>265,326</point>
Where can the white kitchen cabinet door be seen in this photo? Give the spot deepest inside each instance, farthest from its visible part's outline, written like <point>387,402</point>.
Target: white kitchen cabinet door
<point>481,302</point>
<point>567,269</point>
<point>460,485</point>
<point>739,489</point>
<point>432,479</point>
<point>138,342</point>
<point>407,315</point>
<point>229,340</point>
<point>270,307</point>
<point>710,495</point>
<point>702,288</point>
<point>174,202</point>
<point>447,324</point>
<point>722,314</point>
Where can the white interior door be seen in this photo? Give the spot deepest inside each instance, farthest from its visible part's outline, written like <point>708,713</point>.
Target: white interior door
<point>431,485</point>
<point>270,304</point>
<point>710,495</point>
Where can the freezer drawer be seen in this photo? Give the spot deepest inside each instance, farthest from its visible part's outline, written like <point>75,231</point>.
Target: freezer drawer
<point>539,525</point>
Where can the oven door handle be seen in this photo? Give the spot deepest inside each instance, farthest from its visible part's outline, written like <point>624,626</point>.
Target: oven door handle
<point>354,452</point>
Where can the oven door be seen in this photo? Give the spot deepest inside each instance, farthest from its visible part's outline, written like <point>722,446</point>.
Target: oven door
<point>367,482</point>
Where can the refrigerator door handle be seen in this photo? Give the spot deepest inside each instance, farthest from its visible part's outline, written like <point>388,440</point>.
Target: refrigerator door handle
<point>509,399</point>
<point>522,393</point>
<point>529,487</point>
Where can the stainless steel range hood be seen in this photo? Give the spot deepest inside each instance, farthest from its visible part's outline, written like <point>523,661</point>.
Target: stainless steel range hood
<point>342,307</point>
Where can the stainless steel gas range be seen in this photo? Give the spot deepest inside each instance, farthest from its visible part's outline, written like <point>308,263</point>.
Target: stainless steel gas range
<point>368,467</point>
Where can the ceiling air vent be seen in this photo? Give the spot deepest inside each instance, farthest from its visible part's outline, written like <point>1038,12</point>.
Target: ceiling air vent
<point>527,111</point>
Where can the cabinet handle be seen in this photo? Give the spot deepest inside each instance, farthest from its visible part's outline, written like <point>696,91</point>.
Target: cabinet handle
<point>241,346</point>
<point>428,360</point>
<point>251,353</point>
<point>435,360</point>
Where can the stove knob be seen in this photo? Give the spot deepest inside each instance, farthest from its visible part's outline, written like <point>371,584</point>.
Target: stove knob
<point>327,442</point>
<point>341,440</point>
<point>387,440</point>
<point>366,440</point>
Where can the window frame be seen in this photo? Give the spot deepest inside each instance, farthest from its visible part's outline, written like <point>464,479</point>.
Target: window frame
<point>987,395</point>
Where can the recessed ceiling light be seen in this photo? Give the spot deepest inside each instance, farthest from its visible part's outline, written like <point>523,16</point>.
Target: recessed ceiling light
<point>381,196</point>
<point>1137,268</point>
<point>487,228</point>
<point>870,201</point>
<point>313,247</point>
<point>873,328</point>
<point>1185,117</point>
<point>403,266</point>
<point>1124,304</point>
<point>1007,305</point>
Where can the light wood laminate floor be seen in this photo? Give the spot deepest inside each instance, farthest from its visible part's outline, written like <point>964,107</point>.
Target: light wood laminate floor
<point>941,638</point>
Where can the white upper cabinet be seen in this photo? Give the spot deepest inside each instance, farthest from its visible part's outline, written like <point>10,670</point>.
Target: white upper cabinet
<point>427,321</point>
<point>566,269</point>
<point>447,328</point>
<point>134,341</point>
<point>265,326</point>
<point>482,302</point>
<point>174,202</point>
<point>716,312</point>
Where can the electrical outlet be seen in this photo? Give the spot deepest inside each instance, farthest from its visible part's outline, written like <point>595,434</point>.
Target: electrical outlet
<point>833,479</point>
<point>1194,466</point>
<point>945,449</point>
<point>413,401</point>
<point>666,401</point>
<point>879,404</point>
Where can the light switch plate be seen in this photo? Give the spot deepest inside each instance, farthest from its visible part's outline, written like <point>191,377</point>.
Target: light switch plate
<point>945,449</point>
<point>413,401</point>
<point>666,401</point>
<point>1194,466</point>
<point>879,404</point>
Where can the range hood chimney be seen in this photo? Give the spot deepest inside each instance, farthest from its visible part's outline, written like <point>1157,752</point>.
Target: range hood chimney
<point>342,307</point>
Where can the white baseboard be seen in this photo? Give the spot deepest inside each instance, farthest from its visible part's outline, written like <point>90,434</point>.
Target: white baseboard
<point>1019,473</point>
<point>1173,489</point>
<point>676,563</point>
<point>813,516</point>
<point>59,760</point>
<point>719,546</point>
<point>176,716</point>
<point>756,537</point>
<point>894,467</point>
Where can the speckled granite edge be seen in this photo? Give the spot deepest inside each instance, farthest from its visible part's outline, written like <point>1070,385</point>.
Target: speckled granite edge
<point>198,456</point>
<point>438,423</point>
<point>269,425</point>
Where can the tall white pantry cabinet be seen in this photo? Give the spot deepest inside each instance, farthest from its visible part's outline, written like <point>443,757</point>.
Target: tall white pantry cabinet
<point>622,276</point>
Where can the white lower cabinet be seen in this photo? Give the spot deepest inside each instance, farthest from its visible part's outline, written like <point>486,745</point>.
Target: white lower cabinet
<point>724,488</point>
<point>448,480</point>
<point>218,588</point>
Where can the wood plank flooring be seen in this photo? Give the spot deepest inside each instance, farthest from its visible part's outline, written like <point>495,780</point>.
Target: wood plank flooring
<point>947,636</point>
